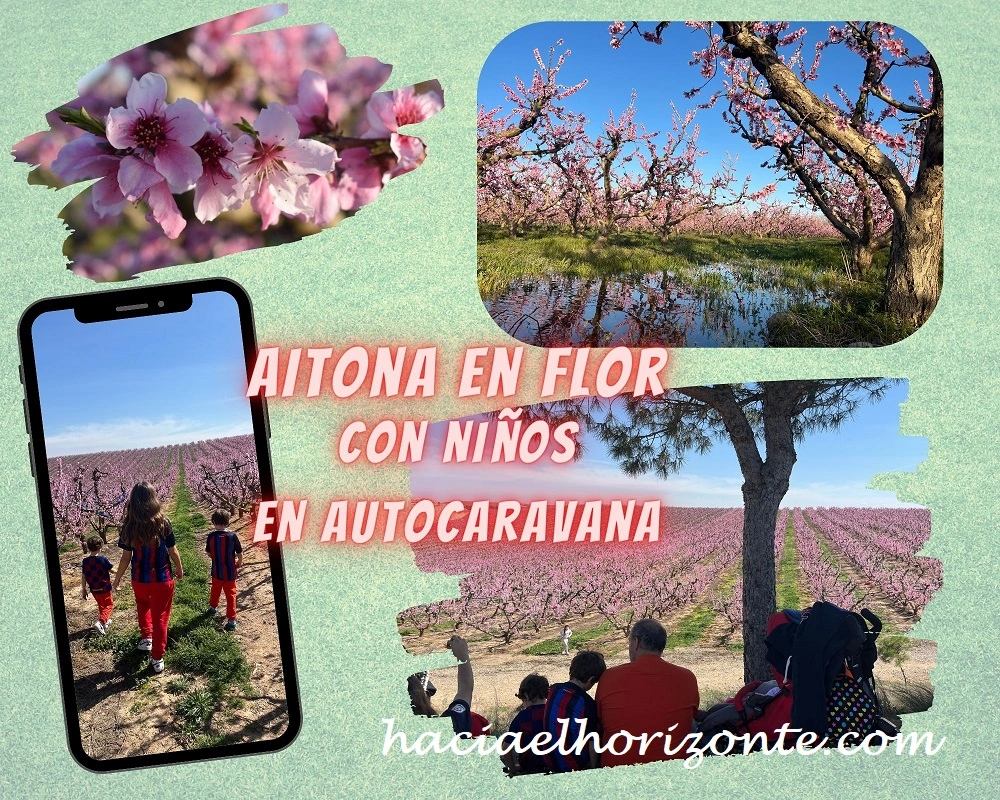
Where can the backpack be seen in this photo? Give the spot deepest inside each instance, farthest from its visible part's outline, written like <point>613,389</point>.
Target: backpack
<point>822,660</point>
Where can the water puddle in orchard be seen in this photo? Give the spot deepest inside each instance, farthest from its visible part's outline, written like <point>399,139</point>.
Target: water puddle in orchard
<point>718,305</point>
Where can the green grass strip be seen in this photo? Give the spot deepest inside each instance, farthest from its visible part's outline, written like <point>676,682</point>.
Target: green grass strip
<point>788,569</point>
<point>691,628</point>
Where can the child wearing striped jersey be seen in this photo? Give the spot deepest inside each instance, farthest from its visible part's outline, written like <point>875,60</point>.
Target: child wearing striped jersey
<point>97,579</point>
<point>224,548</point>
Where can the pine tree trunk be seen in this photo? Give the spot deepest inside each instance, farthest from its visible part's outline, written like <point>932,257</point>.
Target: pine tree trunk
<point>760,515</point>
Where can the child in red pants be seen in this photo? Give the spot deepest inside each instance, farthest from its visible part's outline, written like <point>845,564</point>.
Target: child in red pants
<point>97,578</point>
<point>224,548</point>
<point>149,546</point>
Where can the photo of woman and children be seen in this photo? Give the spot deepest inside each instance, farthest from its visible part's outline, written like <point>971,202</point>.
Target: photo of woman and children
<point>149,551</point>
<point>172,626</point>
<point>153,477</point>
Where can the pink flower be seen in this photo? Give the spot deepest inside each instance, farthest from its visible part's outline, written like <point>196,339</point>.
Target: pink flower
<point>324,198</point>
<point>387,112</point>
<point>87,157</point>
<point>220,187</point>
<point>158,132</point>
<point>317,111</point>
<point>275,165</point>
<point>361,178</point>
<point>122,178</point>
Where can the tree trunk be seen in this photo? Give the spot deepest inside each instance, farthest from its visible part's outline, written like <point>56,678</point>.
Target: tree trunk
<point>913,279</point>
<point>763,490</point>
<point>595,336</point>
<point>760,516</point>
<point>861,254</point>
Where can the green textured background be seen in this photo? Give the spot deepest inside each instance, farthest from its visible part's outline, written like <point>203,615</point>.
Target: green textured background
<point>404,271</point>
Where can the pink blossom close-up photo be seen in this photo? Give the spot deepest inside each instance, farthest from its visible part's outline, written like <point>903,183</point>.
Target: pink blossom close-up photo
<point>192,163</point>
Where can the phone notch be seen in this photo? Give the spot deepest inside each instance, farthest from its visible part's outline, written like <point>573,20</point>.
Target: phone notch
<point>155,300</point>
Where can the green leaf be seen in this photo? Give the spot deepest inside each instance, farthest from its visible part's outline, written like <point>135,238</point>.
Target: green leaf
<point>81,118</point>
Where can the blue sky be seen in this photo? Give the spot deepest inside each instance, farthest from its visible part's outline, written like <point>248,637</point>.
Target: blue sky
<point>142,382</point>
<point>833,469</point>
<point>660,74</point>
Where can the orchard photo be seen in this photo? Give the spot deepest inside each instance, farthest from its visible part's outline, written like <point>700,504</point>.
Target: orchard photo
<point>766,507</point>
<point>154,481</point>
<point>710,184</point>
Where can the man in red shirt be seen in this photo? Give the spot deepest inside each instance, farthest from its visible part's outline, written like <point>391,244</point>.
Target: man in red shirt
<point>648,695</point>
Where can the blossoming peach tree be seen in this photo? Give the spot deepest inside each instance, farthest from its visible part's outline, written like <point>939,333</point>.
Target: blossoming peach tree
<point>206,143</point>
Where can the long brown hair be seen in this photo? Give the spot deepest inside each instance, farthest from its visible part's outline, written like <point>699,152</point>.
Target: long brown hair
<point>143,522</point>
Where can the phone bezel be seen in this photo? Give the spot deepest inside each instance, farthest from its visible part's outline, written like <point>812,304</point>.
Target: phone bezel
<point>176,297</point>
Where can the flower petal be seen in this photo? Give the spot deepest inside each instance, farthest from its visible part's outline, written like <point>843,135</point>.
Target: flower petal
<point>186,122</point>
<point>242,151</point>
<point>85,157</point>
<point>214,194</point>
<point>106,197</point>
<point>163,209</point>
<point>359,181</point>
<point>313,93</point>
<point>179,164</point>
<point>135,177</point>
<point>274,125</point>
<point>289,194</point>
<point>409,150</point>
<point>261,203</point>
<point>145,93</point>
<point>308,157</point>
<point>119,127</point>
<point>381,115</point>
<point>324,199</point>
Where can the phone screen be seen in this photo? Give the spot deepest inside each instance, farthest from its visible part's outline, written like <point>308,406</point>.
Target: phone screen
<point>171,624</point>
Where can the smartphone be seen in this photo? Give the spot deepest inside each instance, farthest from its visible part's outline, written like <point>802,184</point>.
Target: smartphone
<point>171,626</point>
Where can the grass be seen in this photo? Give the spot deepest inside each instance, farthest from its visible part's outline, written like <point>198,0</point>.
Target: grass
<point>788,569</point>
<point>553,647</point>
<point>851,313</point>
<point>178,685</point>
<point>830,557</point>
<point>437,627</point>
<point>212,740</point>
<point>548,251</point>
<point>195,710</point>
<point>691,628</point>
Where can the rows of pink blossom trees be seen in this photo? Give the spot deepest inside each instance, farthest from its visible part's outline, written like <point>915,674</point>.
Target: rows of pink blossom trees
<point>866,165</point>
<point>853,557</point>
<point>89,492</point>
<point>222,473</point>
<point>538,165</point>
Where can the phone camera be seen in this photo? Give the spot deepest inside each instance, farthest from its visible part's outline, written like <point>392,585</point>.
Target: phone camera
<point>160,304</point>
